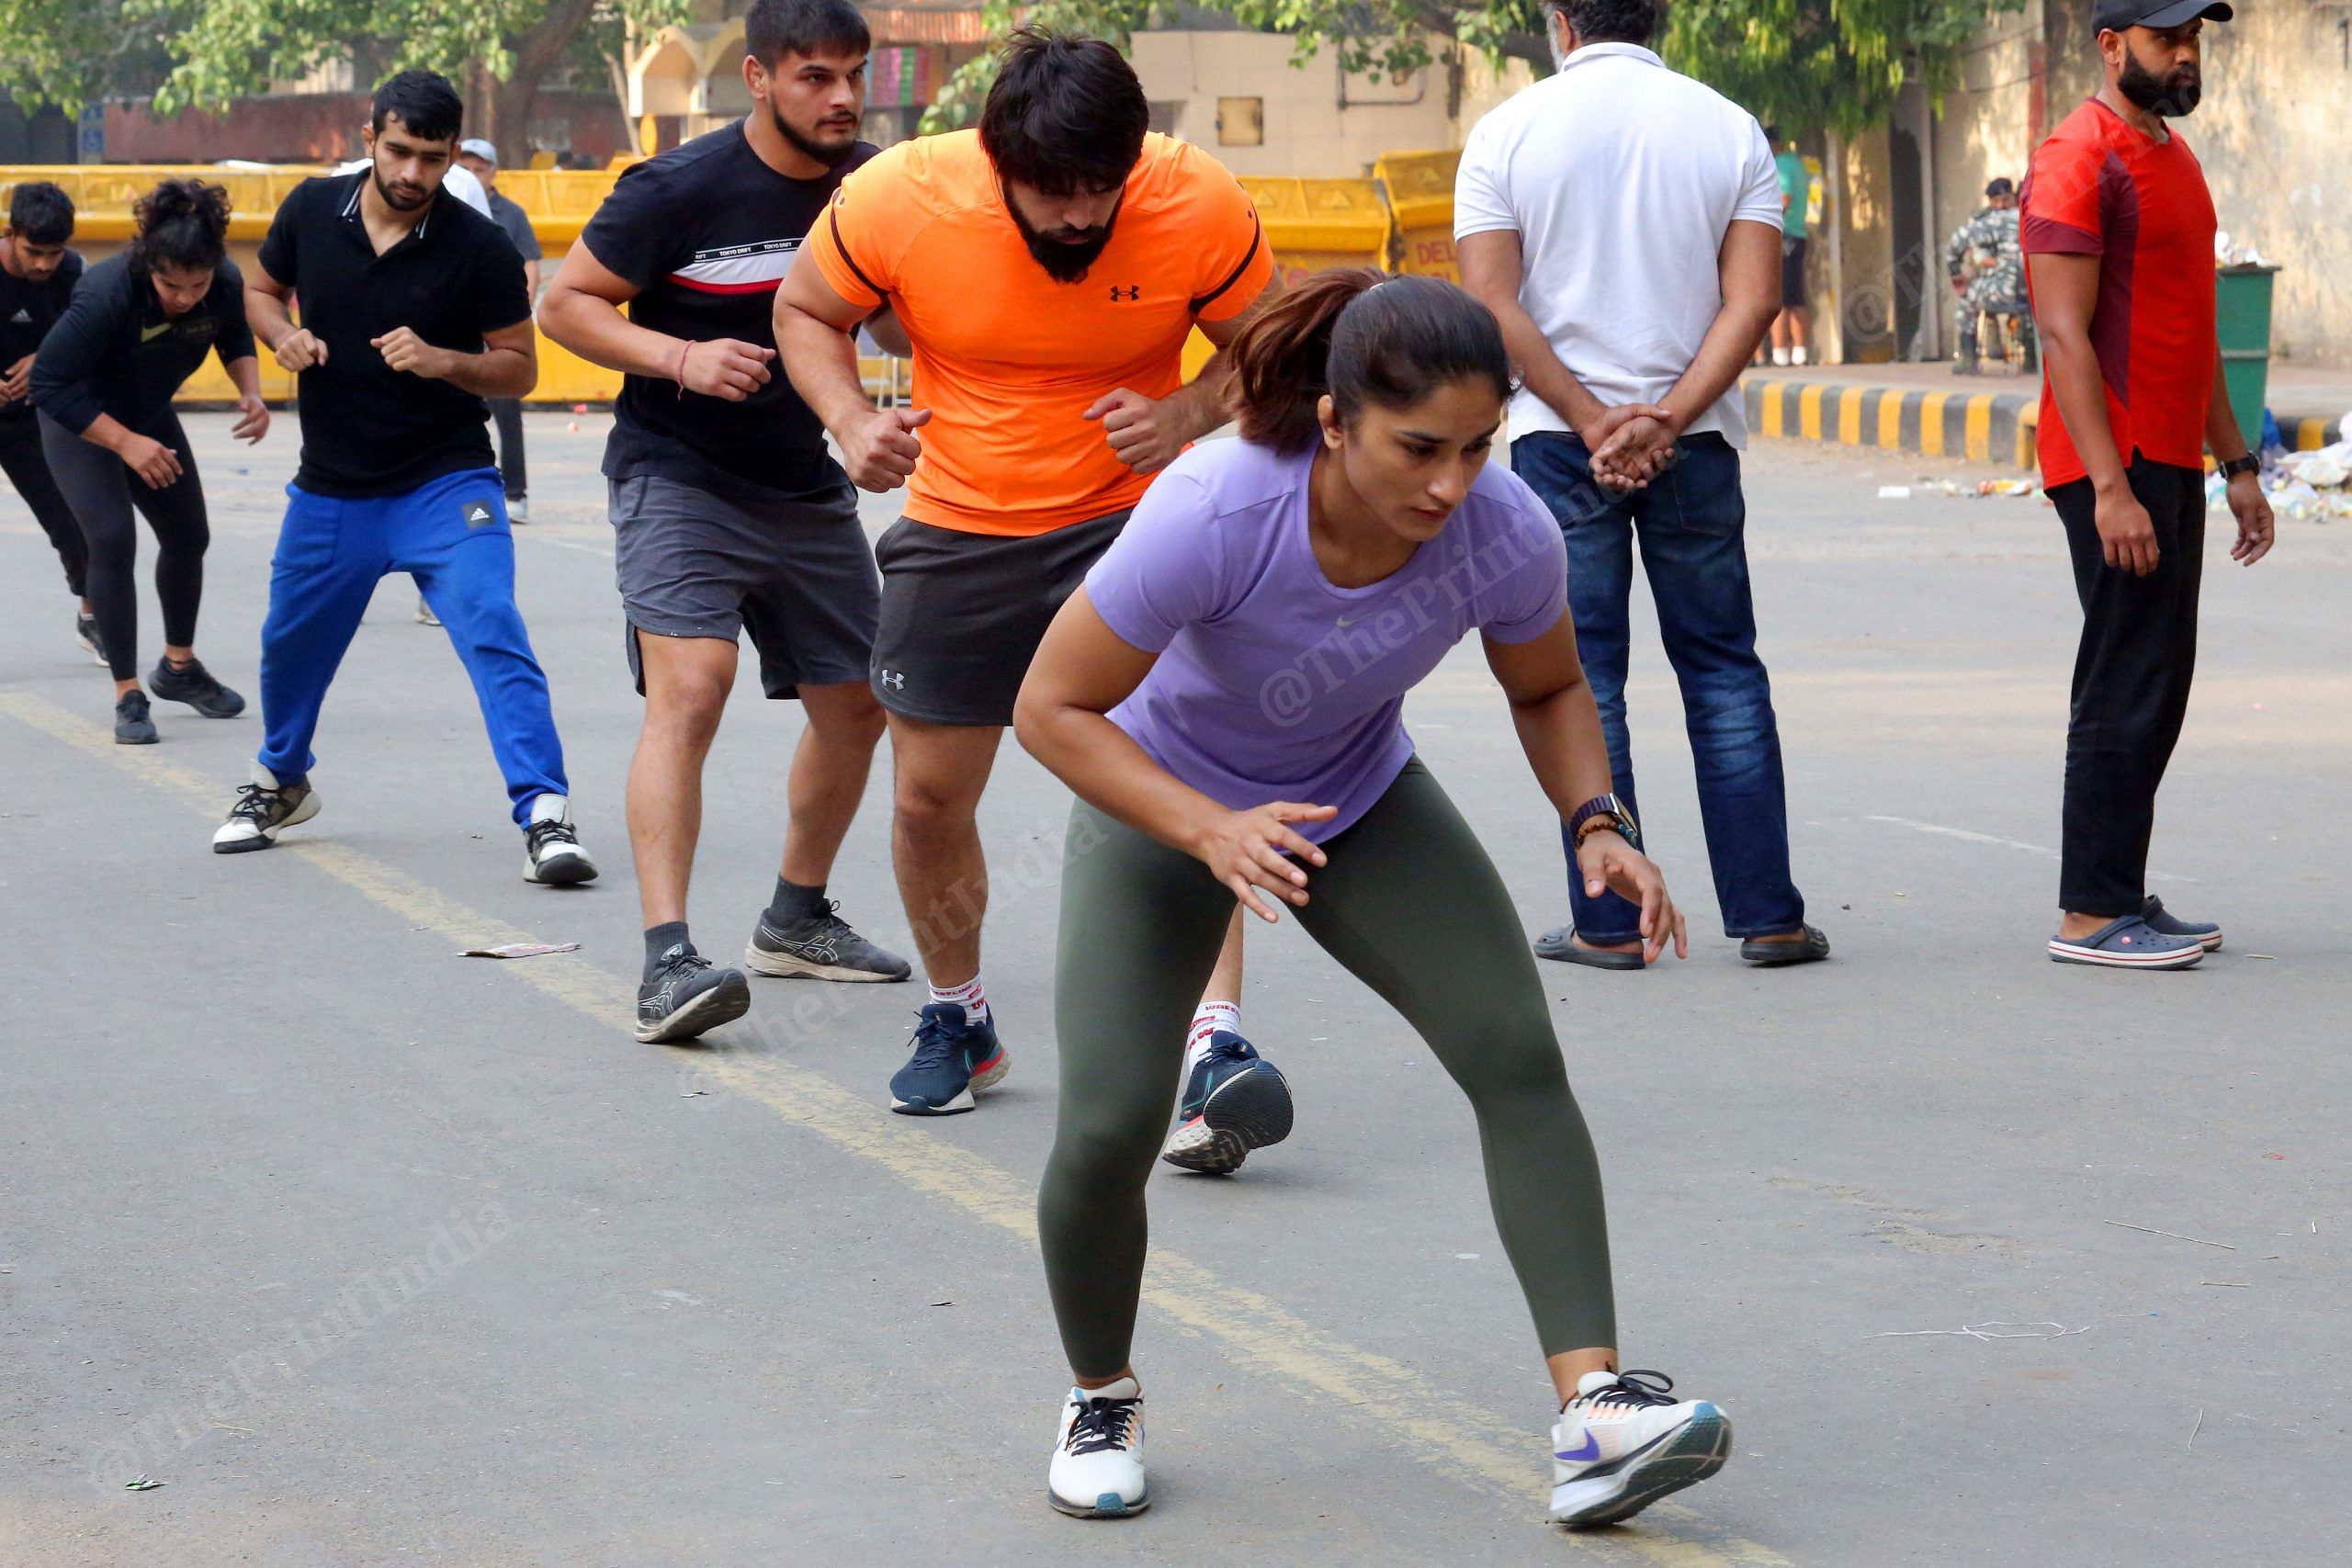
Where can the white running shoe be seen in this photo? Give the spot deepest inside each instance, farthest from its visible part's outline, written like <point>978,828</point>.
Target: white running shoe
<point>551,851</point>
<point>518,510</point>
<point>1622,1443</point>
<point>1097,1464</point>
<point>264,807</point>
<point>424,615</point>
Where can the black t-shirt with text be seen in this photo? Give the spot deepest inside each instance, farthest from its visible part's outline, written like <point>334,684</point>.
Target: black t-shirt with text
<point>116,350</point>
<point>707,231</point>
<point>369,430</point>
<point>26,312</point>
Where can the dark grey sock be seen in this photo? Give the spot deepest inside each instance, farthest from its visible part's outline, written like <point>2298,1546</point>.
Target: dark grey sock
<point>793,902</point>
<point>660,939</point>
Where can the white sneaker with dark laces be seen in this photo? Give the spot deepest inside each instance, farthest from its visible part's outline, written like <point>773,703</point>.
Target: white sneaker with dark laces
<point>264,807</point>
<point>1623,1442</point>
<point>1097,1464</point>
<point>551,851</point>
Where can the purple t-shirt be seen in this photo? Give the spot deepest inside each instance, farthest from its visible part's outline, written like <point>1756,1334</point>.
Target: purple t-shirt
<point>1273,684</point>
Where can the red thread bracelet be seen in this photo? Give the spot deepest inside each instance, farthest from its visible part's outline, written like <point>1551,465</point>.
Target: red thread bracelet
<point>678,373</point>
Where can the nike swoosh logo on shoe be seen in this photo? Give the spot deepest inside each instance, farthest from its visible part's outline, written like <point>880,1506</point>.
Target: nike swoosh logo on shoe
<point>1590,1451</point>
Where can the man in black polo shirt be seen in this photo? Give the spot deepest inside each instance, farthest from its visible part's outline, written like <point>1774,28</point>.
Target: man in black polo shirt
<point>37,278</point>
<point>412,312</point>
<point>729,513</point>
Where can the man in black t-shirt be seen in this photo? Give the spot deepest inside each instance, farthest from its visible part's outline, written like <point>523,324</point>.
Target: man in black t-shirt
<point>37,278</point>
<point>729,513</point>
<point>412,313</point>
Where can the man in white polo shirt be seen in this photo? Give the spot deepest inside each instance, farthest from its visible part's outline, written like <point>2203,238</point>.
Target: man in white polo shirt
<point>1623,222</point>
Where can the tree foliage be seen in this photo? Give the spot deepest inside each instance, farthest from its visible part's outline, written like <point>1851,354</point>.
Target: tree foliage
<point>1804,65</point>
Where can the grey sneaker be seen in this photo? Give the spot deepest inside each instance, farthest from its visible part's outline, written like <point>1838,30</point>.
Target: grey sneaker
<point>821,947</point>
<point>197,688</point>
<point>131,725</point>
<point>86,632</point>
<point>686,996</point>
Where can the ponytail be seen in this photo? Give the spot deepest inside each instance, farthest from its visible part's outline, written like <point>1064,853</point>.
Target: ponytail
<point>182,224</point>
<point>1357,336</point>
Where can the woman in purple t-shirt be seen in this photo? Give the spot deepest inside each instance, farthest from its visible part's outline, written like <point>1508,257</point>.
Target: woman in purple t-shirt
<point>1224,695</point>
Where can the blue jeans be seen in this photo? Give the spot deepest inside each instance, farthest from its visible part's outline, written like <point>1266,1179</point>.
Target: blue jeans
<point>1691,521</point>
<point>451,535</point>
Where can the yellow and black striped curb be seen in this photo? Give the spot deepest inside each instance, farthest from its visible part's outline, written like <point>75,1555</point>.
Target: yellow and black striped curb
<point>1986,427</point>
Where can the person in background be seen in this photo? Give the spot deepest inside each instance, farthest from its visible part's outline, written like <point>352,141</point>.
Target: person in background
<point>1986,266</point>
<point>1792,328</point>
<point>141,323</point>
<point>37,278</point>
<point>2118,241</point>
<point>481,157</point>
<point>1622,222</point>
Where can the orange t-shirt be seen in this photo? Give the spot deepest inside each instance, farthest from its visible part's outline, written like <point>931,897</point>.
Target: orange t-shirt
<point>1008,360</point>
<point>2098,187</point>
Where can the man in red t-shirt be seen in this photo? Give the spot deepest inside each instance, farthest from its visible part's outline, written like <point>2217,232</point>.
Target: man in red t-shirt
<point>2118,241</point>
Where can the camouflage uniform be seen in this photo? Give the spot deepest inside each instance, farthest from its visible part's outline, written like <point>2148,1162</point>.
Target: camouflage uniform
<point>1985,256</point>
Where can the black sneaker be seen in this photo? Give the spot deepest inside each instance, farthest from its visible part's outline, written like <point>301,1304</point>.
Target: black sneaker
<point>197,688</point>
<point>131,725</point>
<point>688,995</point>
<point>86,632</point>
<point>551,851</point>
<point>263,808</point>
<point>820,947</point>
<point>1234,1100</point>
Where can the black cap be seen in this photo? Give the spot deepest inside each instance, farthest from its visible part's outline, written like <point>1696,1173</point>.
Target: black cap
<point>1999,187</point>
<point>2114,16</point>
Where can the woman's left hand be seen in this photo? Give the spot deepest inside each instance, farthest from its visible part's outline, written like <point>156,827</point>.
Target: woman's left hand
<point>255,424</point>
<point>1609,863</point>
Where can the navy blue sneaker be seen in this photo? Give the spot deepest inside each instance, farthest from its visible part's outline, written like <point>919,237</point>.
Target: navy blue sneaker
<point>952,1059</point>
<point>1234,1100</point>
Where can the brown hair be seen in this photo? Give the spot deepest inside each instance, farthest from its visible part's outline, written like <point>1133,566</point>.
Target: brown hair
<point>1357,336</point>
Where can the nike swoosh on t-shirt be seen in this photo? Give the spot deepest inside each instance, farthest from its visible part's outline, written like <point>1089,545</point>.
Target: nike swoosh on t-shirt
<point>149,334</point>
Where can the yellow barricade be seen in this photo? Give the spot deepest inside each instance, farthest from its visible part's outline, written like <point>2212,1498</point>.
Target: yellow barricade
<point>1420,187</point>
<point>1311,225</point>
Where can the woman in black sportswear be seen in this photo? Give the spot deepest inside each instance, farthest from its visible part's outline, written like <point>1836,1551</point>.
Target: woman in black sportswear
<point>140,325</point>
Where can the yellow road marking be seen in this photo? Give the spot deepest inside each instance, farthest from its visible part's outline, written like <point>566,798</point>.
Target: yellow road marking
<point>1889,418</point>
<point>1809,411</point>
<point>1450,1435</point>
<point>1850,416</point>
<point>1774,421</point>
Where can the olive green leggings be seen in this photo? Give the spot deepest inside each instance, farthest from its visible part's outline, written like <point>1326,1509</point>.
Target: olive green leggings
<point>1412,907</point>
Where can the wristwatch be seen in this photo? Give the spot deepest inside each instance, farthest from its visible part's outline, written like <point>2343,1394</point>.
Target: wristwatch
<point>2236,466</point>
<point>1603,811</point>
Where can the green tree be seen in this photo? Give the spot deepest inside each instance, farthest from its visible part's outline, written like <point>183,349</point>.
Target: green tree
<point>1803,65</point>
<point>218,50</point>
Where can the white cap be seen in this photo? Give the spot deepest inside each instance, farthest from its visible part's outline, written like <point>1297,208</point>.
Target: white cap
<point>486,151</point>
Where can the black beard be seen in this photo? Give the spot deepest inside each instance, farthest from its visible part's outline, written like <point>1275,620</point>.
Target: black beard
<point>832,157</point>
<point>1064,261</point>
<point>395,203</point>
<point>2166,98</point>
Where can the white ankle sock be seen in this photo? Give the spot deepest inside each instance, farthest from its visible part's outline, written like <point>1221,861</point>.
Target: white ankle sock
<point>1212,1017</point>
<point>1796,355</point>
<point>968,996</point>
<point>1779,356</point>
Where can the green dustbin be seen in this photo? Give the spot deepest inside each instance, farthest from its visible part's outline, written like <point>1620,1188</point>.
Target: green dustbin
<point>2242,315</point>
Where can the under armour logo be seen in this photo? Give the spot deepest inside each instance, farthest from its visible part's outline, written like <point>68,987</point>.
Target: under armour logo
<point>1133,291</point>
<point>894,679</point>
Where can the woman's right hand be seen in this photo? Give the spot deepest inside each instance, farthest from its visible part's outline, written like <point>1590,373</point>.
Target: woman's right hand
<point>151,461</point>
<point>1243,850</point>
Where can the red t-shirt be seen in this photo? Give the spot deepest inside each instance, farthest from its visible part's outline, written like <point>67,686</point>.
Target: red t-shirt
<point>2098,188</point>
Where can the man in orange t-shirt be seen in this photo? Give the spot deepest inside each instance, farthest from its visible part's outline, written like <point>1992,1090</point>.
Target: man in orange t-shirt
<point>2118,230</point>
<point>1046,270</point>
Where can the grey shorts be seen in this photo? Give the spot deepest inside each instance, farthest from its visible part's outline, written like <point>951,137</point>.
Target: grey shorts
<point>963,613</point>
<point>797,573</point>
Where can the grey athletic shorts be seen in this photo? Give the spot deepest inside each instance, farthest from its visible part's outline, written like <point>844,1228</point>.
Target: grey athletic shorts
<point>963,613</point>
<point>796,572</point>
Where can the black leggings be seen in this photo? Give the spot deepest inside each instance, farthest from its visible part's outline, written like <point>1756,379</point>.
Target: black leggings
<point>102,491</point>
<point>1412,907</point>
<point>28,469</point>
